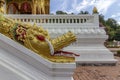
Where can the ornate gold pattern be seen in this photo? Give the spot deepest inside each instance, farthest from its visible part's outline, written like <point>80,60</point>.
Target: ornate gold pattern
<point>37,6</point>
<point>35,38</point>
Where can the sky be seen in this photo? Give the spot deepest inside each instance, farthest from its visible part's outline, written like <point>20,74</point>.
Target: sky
<point>109,8</point>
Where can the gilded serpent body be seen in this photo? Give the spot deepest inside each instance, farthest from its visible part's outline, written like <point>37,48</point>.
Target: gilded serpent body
<point>37,39</point>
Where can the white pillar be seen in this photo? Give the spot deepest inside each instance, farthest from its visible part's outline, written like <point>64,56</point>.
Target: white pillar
<point>96,20</point>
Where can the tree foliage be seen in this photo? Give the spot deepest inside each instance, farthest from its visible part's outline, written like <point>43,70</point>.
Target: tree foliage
<point>112,28</point>
<point>112,23</point>
<point>83,12</point>
<point>117,35</point>
<point>101,19</point>
<point>60,12</point>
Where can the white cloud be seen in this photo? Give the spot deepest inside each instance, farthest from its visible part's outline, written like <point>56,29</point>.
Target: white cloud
<point>85,2</point>
<point>76,6</point>
<point>119,22</point>
<point>115,15</point>
<point>64,5</point>
<point>103,5</point>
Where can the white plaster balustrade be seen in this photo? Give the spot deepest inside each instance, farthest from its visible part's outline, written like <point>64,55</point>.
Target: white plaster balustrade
<point>59,20</point>
<point>90,37</point>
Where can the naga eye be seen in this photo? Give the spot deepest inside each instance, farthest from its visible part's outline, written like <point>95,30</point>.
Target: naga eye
<point>40,37</point>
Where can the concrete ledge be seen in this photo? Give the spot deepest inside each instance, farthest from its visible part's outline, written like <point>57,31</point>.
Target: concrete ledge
<point>92,55</point>
<point>29,65</point>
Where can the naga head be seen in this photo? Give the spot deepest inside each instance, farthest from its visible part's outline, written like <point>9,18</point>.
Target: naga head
<point>38,40</point>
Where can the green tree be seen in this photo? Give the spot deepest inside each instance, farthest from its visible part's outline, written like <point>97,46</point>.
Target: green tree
<point>86,12</point>
<point>110,26</point>
<point>83,12</point>
<point>102,20</point>
<point>72,13</point>
<point>111,35</point>
<point>60,12</point>
<point>110,32</point>
<point>112,23</point>
<point>117,35</point>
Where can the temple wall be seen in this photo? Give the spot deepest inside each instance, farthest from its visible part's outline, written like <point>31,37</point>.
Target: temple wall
<point>90,37</point>
<point>27,7</point>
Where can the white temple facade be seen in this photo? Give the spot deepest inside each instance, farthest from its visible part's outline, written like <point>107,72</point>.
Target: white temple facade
<point>90,37</point>
<point>19,63</point>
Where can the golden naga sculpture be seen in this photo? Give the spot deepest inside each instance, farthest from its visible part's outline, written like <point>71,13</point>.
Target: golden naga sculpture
<point>38,40</point>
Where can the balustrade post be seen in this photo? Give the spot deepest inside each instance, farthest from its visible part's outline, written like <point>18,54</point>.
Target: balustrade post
<point>51,20</point>
<point>45,20</point>
<point>65,20</point>
<point>34,20</point>
<point>61,20</point>
<point>54,20</point>
<point>26,20</point>
<point>72,20</point>
<point>76,20</point>
<point>69,21</point>
<point>30,20</point>
<point>48,20</point>
<point>57,19</point>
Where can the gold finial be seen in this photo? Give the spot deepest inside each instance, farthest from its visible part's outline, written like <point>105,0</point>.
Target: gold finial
<point>95,10</point>
<point>2,2</point>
